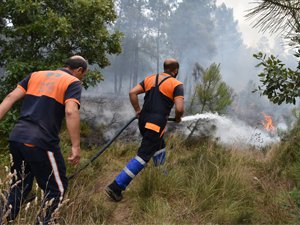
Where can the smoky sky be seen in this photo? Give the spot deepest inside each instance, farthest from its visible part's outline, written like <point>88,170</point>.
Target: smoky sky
<point>193,32</point>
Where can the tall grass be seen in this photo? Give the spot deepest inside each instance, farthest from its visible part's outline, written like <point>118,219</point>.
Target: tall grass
<point>201,183</point>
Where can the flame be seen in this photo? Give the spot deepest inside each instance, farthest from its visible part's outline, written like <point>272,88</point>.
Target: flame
<point>268,123</point>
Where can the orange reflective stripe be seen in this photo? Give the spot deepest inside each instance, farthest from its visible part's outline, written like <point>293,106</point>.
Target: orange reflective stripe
<point>73,100</point>
<point>21,88</point>
<point>29,145</point>
<point>180,96</point>
<point>152,126</point>
<point>162,133</point>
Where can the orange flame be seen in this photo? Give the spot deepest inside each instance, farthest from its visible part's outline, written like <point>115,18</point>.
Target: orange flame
<point>268,124</point>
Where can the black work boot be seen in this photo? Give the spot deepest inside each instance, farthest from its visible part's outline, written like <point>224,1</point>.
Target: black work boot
<point>114,192</point>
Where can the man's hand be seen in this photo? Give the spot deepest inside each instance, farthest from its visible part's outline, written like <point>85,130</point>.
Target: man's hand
<point>177,120</point>
<point>138,113</point>
<point>74,158</point>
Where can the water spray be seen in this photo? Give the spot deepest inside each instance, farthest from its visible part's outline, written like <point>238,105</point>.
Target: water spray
<point>228,131</point>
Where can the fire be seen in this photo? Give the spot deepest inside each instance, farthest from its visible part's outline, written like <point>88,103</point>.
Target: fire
<point>268,123</point>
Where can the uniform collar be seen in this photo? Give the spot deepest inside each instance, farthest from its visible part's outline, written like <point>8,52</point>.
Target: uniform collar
<point>65,70</point>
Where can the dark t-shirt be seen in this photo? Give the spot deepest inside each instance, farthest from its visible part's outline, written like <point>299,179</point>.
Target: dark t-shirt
<point>160,94</point>
<point>43,107</point>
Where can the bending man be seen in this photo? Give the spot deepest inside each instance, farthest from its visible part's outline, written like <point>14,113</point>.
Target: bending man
<point>161,92</point>
<point>49,96</point>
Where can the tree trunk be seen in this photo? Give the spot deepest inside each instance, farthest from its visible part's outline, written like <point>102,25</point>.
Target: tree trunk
<point>135,65</point>
<point>120,84</point>
<point>115,82</point>
<point>158,41</point>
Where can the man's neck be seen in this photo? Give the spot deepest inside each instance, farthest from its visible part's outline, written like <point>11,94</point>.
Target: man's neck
<point>169,73</point>
<point>67,70</point>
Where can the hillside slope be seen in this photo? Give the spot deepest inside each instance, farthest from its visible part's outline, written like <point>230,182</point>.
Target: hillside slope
<point>202,182</point>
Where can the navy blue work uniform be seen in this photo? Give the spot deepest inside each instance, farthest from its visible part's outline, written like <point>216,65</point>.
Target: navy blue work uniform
<point>160,92</point>
<point>34,141</point>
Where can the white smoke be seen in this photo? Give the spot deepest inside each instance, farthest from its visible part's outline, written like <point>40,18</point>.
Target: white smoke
<point>231,131</point>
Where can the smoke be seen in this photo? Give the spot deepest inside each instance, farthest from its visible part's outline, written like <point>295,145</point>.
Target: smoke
<point>107,116</point>
<point>230,131</point>
<point>208,35</point>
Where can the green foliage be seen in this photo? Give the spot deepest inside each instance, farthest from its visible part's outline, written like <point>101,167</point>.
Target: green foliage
<point>211,92</point>
<point>42,34</point>
<point>48,32</point>
<point>37,35</point>
<point>277,17</point>
<point>92,79</point>
<point>279,84</point>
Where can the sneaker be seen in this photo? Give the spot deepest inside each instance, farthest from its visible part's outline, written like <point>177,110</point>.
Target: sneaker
<point>113,195</point>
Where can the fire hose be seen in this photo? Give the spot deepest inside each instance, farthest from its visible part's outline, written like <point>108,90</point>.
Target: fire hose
<point>106,146</point>
<point>102,149</point>
<point>29,199</point>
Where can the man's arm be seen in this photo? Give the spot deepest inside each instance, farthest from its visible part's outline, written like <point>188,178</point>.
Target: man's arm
<point>133,96</point>
<point>73,126</point>
<point>10,100</point>
<point>179,108</point>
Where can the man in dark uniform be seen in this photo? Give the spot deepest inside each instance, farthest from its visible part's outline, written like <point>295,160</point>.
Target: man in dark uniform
<point>161,92</point>
<point>49,96</point>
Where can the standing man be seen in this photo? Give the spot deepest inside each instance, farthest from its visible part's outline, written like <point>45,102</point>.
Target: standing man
<point>161,92</point>
<point>49,96</point>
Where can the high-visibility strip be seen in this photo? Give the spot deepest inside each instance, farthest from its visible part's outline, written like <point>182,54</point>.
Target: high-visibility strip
<point>162,133</point>
<point>153,127</point>
<point>73,100</point>
<point>179,96</point>
<point>140,160</point>
<point>29,145</point>
<point>128,172</point>
<point>160,151</point>
<point>55,172</point>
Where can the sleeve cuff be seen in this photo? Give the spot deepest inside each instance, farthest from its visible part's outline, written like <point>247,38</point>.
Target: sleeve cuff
<point>72,100</point>
<point>180,96</point>
<point>142,87</point>
<point>21,88</point>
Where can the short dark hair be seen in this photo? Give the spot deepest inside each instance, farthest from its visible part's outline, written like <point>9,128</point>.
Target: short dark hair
<point>171,66</point>
<point>76,62</point>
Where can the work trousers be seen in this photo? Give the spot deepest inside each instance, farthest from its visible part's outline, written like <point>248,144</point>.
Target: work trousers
<point>152,142</point>
<point>48,167</point>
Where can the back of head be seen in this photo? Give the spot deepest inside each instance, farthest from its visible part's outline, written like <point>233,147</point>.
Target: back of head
<point>76,62</point>
<point>170,65</point>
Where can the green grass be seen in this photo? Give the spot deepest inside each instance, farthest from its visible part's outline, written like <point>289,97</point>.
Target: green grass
<point>201,183</point>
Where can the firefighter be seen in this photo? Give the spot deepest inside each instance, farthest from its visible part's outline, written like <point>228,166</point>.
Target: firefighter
<point>48,97</point>
<point>161,92</point>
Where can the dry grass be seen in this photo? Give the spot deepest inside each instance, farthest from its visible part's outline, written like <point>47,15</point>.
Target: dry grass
<point>201,183</point>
